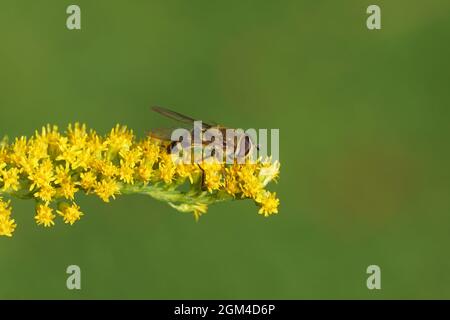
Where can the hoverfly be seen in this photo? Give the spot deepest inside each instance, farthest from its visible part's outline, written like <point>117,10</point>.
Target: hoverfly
<point>232,143</point>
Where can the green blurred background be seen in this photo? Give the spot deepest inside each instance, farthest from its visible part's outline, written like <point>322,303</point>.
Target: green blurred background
<point>364,126</point>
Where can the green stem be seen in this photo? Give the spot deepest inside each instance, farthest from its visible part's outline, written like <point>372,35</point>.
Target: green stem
<point>175,196</point>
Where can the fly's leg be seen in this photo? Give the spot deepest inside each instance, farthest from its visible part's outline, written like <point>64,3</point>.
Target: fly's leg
<point>203,177</point>
<point>171,147</point>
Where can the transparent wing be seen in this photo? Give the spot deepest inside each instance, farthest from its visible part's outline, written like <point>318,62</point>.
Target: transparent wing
<point>164,134</point>
<point>177,116</point>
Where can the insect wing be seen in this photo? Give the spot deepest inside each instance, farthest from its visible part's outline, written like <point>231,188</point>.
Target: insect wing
<point>178,116</point>
<point>164,134</point>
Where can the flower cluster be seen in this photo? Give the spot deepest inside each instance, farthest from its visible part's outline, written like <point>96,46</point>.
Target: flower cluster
<point>51,167</point>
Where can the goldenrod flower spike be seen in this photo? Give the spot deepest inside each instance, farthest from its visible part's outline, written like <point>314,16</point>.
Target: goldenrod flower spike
<point>52,168</point>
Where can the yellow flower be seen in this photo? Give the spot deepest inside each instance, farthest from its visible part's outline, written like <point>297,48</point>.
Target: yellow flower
<point>4,154</point>
<point>251,186</point>
<point>62,174</point>
<point>68,189</point>
<point>70,154</point>
<point>37,150</point>
<point>231,181</point>
<point>269,203</point>
<point>231,186</point>
<point>19,151</point>
<point>10,179</point>
<point>150,150</point>
<point>70,214</point>
<point>49,135</point>
<point>187,171</point>
<point>126,172</point>
<point>7,226</point>
<point>131,157</point>
<point>93,150</point>
<point>88,180</point>
<point>42,176</point>
<point>5,209</point>
<point>45,193</point>
<point>66,186</point>
<point>44,215</point>
<point>120,139</point>
<point>145,172</point>
<point>269,171</point>
<point>77,134</point>
<point>167,169</point>
<point>212,171</point>
<point>107,168</point>
<point>106,189</point>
